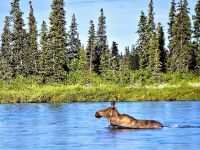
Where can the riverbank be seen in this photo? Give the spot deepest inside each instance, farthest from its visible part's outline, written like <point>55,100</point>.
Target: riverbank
<point>77,93</point>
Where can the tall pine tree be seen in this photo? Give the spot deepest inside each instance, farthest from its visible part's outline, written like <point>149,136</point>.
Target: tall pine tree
<point>127,63</point>
<point>19,39</point>
<point>156,65</point>
<point>91,47</point>
<point>101,50</point>
<point>44,56</point>
<point>142,41</point>
<point>181,55</point>
<point>57,40</point>
<point>135,58</point>
<point>73,40</point>
<point>114,57</point>
<point>150,22</point>
<point>171,35</point>
<point>163,52</point>
<point>196,32</point>
<point>172,16</point>
<point>31,60</point>
<point>150,35</point>
<point>5,52</point>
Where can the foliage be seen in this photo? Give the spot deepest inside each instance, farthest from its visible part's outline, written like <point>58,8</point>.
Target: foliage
<point>196,31</point>
<point>91,47</point>
<point>57,40</point>
<point>31,60</point>
<point>60,69</point>
<point>181,56</point>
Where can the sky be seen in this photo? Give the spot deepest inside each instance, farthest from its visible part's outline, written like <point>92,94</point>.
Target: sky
<point>122,16</point>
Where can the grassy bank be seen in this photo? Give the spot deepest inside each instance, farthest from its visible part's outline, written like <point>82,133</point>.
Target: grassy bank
<point>77,93</point>
<point>30,90</point>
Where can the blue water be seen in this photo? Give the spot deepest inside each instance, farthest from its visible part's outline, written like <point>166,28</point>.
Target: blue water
<point>73,126</point>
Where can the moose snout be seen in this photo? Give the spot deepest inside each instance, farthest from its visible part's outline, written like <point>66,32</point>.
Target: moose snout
<point>97,115</point>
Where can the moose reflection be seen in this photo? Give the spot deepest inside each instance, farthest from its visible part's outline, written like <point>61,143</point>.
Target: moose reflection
<point>126,121</point>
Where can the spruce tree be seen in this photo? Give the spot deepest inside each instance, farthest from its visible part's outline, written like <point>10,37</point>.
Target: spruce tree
<point>181,56</point>
<point>172,16</point>
<point>105,62</point>
<point>44,56</point>
<point>135,58</point>
<point>171,35</point>
<point>150,22</point>
<point>19,39</point>
<point>5,70</point>
<point>161,42</point>
<point>148,53</point>
<point>156,64</point>
<point>73,40</point>
<point>31,61</point>
<point>57,40</point>
<point>82,61</point>
<point>91,46</point>
<point>114,57</point>
<point>127,64</point>
<point>5,52</point>
<point>142,41</point>
<point>196,33</point>
<point>101,49</point>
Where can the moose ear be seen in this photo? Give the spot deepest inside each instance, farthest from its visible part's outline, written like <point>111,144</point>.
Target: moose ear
<point>113,104</point>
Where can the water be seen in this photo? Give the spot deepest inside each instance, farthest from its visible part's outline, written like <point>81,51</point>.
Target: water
<point>73,126</point>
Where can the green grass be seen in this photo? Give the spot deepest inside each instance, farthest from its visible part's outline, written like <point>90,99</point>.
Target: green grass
<point>170,87</point>
<point>77,93</point>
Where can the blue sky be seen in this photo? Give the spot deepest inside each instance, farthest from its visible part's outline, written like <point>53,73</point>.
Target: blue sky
<point>122,15</point>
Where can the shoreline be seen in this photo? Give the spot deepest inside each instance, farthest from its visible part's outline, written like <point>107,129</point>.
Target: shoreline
<point>78,93</point>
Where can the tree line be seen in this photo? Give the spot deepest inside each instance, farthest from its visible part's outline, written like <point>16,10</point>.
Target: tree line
<point>54,53</point>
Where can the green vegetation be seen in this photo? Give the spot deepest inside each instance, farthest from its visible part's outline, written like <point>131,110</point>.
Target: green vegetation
<point>141,87</point>
<point>60,69</point>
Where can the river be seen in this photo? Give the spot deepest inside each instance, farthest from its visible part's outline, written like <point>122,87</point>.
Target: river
<point>73,126</point>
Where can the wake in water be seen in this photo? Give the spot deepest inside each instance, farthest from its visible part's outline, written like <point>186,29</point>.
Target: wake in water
<point>182,126</point>
<point>111,127</point>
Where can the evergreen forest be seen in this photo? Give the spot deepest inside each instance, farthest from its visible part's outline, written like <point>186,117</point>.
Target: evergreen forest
<point>53,61</point>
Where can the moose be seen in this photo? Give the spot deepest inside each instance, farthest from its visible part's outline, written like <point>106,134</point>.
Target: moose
<point>125,121</point>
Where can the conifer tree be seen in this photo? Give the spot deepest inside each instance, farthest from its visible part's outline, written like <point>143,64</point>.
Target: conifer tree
<point>91,47</point>
<point>31,60</point>
<point>142,41</point>
<point>127,64</point>
<point>5,70</point>
<point>57,40</point>
<point>135,58</point>
<point>156,64</point>
<point>101,49</point>
<point>105,61</point>
<point>161,42</point>
<point>5,52</point>
<point>82,61</point>
<point>74,42</point>
<point>172,16</point>
<point>150,22</point>
<point>149,52</point>
<point>171,35</point>
<point>114,57</point>
<point>44,57</point>
<point>19,39</point>
<point>196,31</point>
<point>181,56</point>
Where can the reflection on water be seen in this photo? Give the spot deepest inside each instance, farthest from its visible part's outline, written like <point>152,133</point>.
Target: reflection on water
<point>73,126</point>
<point>111,129</point>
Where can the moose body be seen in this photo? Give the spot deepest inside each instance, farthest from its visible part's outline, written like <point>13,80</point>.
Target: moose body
<point>126,121</point>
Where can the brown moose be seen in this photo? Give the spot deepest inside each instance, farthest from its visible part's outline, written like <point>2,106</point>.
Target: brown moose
<point>126,121</point>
